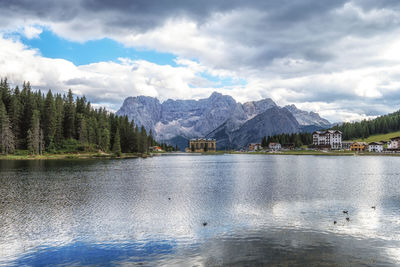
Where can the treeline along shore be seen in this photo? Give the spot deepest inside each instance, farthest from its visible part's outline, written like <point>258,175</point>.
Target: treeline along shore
<point>36,124</point>
<point>388,123</point>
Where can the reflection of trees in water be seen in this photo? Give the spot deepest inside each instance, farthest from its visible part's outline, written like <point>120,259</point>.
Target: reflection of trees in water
<point>47,165</point>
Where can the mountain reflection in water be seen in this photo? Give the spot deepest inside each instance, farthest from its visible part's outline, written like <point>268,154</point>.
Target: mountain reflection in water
<point>259,210</point>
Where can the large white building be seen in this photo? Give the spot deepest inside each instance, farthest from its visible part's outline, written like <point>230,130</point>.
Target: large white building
<point>328,139</point>
<point>375,147</point>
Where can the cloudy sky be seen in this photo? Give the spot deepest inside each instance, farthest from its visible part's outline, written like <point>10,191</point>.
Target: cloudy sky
<point>338,58</point>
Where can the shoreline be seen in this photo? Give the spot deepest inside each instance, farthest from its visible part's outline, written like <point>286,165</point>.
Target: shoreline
<point>319,153</point>
<point>72,156</point>
<point>78,156</point>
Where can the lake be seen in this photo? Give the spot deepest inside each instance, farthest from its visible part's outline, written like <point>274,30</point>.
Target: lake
<point>192,210</point>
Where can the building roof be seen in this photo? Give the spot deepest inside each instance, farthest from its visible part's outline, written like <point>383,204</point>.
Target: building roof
<point>375,144</point>
<point>273,144</point>
<point>360,143</point>
<point>327,132</point>
<point>202,139</point>
<point>395,138</point>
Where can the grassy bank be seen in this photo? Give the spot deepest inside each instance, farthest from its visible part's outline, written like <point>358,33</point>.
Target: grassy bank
<point>377,137</point>
<point>302,152</point>
<point>83,155</point>
<point>319,153</point>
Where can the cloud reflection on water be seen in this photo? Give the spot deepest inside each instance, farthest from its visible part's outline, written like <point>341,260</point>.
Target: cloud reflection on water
<point>259,209</point>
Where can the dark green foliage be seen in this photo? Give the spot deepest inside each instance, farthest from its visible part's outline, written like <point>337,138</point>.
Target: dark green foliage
<point>34,135</point>
<point>69,116</point>
<point>363,129</point>
<point>62,124</point>
<point>117,144</point>
<point>264,142</point>
<point>49,120</point>
<point>143,147</point>
<point>298,139</point>
<point>167,147</point>
<point>7,142</point>
<point>351,130</point>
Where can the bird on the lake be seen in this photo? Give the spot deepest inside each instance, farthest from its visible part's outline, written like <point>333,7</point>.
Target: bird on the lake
<point>373,207</point>
<point>346,212</point>
<point>204,224</point>
<point>347,219</point>
<point>169,198</point>
<point>334,222</point>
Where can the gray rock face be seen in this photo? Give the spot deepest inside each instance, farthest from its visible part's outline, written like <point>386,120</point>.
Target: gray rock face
<point>273,121</point>
<point>233,124</point>
<point>143,110</point>
<point>307,118</point>
<point>190,118</point>
<point>254,108</point>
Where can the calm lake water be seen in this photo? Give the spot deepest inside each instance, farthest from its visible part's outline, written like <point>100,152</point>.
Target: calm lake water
<point>259,210</point>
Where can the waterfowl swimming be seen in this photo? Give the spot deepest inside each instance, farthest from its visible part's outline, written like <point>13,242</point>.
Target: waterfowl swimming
<point>373,207</point>
<point>346,212</point>
<point>169,198</point>
<point>204,224</point>
<point>347,219</point>
<point>334,222</point>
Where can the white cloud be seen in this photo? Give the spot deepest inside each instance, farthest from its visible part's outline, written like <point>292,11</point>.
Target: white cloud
<point>32,32</point>
<point>338,59</point>
<point>102,82</point>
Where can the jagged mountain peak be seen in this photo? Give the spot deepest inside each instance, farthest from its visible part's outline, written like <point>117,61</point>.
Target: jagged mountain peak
<point>307,118</point>
<point>218,114</point>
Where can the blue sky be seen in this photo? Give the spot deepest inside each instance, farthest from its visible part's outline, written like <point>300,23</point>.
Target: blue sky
<point>82,53</point>
<point>53,46</point>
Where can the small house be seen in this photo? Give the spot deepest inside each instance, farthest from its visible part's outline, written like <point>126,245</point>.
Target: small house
<point>394,143</point>
<point>375,147</point>
<point>289,146</point>
<point>155,149</point>
<point>358,146</point>
<point>346,145</point>
<point>254,147</point>
<point>274,146</point>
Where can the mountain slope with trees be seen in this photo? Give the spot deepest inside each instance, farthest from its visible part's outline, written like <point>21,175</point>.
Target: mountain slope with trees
<point>351,130</point>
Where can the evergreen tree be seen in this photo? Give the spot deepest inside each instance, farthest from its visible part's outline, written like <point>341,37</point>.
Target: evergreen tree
<point>105,140</point>
<point>264,142</point>
<point>34,134</point>
<point>15,115</point>
<point>37,122</point>
<point>69,116</point>
<point>82,130</point>
<point>49,120</point>
<point>143,147</point>
<point>7,143</point>
<point>59,119</point>
<point>117,144</point>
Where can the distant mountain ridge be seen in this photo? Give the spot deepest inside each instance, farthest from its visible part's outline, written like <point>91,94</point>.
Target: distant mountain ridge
<point>219,116</point>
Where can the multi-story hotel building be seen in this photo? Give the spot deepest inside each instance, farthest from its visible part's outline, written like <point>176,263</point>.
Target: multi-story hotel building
<point>202,145</point>
<point>328,139</point>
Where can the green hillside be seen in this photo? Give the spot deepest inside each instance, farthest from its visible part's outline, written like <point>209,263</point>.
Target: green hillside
<point>378,137</point>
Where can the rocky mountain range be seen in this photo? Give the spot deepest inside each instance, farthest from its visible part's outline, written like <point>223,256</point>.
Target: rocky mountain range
<point>233,124</point>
